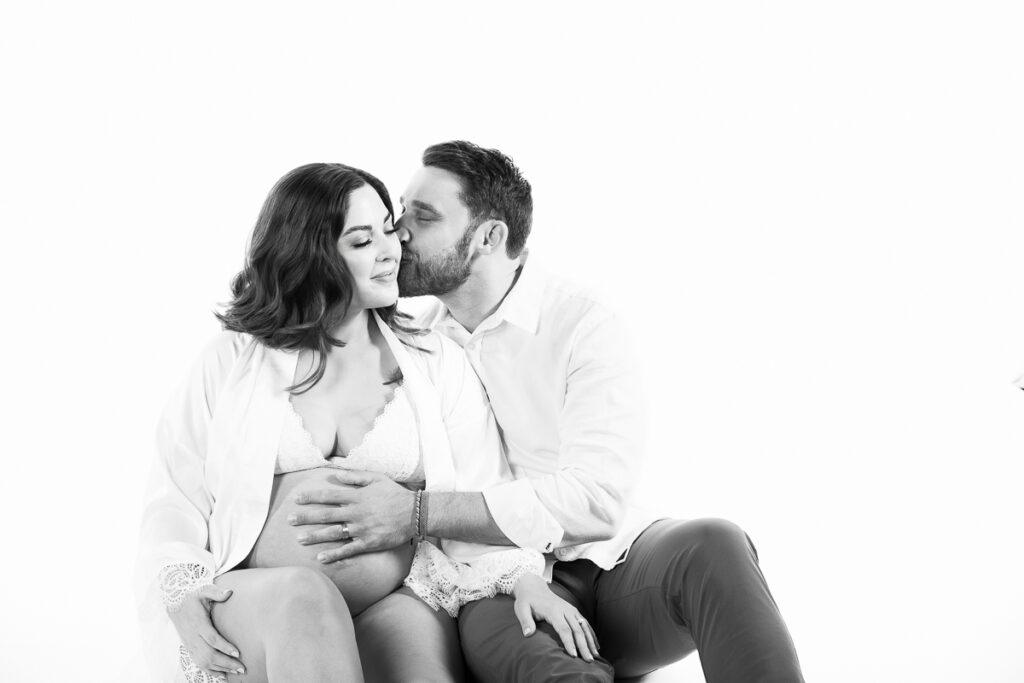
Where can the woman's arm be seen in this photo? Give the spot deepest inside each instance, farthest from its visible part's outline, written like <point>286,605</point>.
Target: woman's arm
<point>178,504</point>
<point>175,567</point>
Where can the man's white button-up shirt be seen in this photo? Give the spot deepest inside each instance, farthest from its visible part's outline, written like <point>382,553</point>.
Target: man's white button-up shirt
<point>561,380</point>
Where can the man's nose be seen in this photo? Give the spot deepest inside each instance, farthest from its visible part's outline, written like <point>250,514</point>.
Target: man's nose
<point>403,232</point>
<point>391,251</point>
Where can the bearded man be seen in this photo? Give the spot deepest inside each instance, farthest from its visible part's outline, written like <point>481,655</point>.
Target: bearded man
<point>563,387</point>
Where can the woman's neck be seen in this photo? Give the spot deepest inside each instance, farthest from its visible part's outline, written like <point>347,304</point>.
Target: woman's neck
<point>353,329</point>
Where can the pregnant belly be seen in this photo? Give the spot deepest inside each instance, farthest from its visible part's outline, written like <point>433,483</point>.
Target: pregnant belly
<point>363,579</point>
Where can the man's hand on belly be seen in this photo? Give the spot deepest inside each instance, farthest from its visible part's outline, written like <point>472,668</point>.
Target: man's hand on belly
<point>376,513</point>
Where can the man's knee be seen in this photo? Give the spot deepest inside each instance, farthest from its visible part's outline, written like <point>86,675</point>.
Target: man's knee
<point>483,622</point>
<point>714,545</point>
<point>495,648</point>
<point>719,536</point>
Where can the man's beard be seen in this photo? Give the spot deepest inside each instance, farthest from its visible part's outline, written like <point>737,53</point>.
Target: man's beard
<point>444,272</point>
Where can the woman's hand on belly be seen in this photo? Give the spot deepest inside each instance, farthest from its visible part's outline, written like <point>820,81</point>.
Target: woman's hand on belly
<point>363,580</point>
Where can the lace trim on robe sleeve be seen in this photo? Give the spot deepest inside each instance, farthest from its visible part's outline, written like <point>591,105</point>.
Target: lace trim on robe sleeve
<point>193,674</point>
<point>443,583</point>
<point>177,581</point>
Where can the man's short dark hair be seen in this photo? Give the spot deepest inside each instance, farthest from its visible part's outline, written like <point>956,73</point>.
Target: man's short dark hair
<point>492,187</point>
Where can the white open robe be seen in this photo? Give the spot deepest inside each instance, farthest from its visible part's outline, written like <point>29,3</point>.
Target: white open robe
<point>217,440</point>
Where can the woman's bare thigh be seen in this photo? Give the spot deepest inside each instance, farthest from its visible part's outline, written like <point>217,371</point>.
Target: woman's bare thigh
<point>249,619</point>
<point>402,639</point>
<point>237,618</point>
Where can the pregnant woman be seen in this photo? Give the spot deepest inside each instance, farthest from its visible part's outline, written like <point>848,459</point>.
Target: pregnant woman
<point>314,372</point>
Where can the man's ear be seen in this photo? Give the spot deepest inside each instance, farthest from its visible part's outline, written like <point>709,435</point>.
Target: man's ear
<point>491,235</point>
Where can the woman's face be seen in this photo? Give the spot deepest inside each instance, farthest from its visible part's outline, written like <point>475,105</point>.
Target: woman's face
<point>371,250</point>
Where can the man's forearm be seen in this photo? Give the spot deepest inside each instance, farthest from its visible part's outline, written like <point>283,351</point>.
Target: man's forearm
<point>462,516</point>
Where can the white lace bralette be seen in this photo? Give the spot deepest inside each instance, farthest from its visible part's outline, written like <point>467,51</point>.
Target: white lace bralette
<point>391,447</point>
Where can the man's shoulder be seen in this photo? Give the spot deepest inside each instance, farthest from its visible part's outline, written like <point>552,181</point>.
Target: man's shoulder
<point>572,301</point>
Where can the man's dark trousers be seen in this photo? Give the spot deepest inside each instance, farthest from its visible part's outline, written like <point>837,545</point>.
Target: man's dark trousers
<point>684,586</point>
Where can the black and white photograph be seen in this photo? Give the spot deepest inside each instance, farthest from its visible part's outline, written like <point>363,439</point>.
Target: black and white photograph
<point>490,343</point>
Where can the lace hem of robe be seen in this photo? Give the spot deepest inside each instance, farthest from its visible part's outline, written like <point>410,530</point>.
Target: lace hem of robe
<point>178,581</point>
<point>193,674</point>
<point>443,583</point>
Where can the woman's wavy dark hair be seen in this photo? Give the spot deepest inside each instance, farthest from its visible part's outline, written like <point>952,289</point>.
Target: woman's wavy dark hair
<point>295,285</point>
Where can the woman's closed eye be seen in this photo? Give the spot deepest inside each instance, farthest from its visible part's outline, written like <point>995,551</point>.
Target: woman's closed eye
<point>389,229</point>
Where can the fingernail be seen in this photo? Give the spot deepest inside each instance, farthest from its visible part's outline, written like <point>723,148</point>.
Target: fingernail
<point>234,653</point>
<point>322,558</point>
<point>239,670</point>
<point>303,538</point>
<point>527,631</point>
<point>293,518</point>
<point>229,591</point>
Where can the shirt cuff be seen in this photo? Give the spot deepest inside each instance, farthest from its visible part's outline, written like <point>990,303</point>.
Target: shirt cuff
<point>521,516</point>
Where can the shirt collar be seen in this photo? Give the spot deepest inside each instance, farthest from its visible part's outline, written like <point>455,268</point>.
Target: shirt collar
<point>521,306</point>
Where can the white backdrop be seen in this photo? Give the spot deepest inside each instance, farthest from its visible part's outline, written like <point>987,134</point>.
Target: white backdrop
<point>809,217</point>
